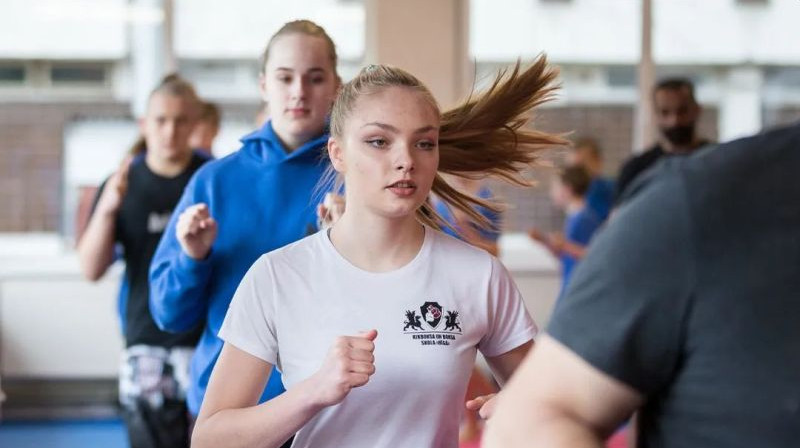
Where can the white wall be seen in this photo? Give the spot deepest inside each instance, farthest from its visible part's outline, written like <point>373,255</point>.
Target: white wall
<point>53,324</point>
<point>212,29</point>
<point>702,32</point>
<point>726,32</point>
<point>590,31</point>
<point>64,29</point>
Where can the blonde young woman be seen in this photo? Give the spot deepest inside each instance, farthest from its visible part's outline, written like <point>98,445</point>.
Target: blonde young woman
<point>375,322</point>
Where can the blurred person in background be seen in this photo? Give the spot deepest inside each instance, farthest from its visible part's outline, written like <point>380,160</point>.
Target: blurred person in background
<point>130,212</point>
<point>463,226</point>
<point>586,153</point>
<point>207,128</point>
<point>568,193</point>
<point>676,114</point>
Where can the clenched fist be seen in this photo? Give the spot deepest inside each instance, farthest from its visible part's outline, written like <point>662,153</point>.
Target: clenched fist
<point>350,363</point>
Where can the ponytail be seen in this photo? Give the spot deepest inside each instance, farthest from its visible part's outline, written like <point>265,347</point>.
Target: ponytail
<point>488,134</point>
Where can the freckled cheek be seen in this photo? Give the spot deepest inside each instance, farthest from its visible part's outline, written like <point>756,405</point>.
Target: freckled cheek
<point>363,173</point>
<point>430,167</point>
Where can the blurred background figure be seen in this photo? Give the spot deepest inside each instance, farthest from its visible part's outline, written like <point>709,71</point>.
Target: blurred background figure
<point>676,114</point>
<point>463,226</point>
<point>131,211</point>
<point>586,153</point>
<point>206,128</point>
<point>568,192</point>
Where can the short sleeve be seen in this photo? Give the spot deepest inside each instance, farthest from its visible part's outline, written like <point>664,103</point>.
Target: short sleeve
<point>249,324</point>
<point>510,325</point>
<point>625,307</point>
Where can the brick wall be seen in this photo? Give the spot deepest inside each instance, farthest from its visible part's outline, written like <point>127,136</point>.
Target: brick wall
<point>31,147</point>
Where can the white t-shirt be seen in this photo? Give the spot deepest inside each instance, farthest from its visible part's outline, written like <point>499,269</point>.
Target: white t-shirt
<point>431,315</point>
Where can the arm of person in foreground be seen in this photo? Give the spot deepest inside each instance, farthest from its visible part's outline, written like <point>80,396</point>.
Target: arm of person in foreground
<point>556,399</point>
<point>231,416</point>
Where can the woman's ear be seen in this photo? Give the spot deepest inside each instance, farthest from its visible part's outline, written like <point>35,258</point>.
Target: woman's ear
<point>262,86</point>
<point>335,154</point>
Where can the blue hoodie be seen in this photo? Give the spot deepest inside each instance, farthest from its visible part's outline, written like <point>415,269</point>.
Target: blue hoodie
<point>261,198</point>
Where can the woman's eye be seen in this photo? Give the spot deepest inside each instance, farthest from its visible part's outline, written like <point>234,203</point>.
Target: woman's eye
<point>426,145</point>
<point>285,79</point>
<point>377,142</point>
<point>318,80</point>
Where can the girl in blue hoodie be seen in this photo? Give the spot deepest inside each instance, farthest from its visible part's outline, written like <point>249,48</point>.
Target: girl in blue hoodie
<point>257,199</point>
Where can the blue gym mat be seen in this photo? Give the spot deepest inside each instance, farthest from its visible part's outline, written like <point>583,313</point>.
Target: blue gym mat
<point>63,434</point>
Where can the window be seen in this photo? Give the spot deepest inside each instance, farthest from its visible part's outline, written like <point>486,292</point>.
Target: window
<point>78,74</point>
<point>621,76</point>
<point>782,77</point>
<point>12,74</point>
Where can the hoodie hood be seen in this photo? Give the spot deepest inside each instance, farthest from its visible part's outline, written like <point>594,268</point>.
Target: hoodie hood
<point>265,147</point>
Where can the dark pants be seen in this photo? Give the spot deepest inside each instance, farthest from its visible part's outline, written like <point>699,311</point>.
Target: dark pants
<point>163,427</point>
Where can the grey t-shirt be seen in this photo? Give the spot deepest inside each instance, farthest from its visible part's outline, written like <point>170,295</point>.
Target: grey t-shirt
<point>691,295</point>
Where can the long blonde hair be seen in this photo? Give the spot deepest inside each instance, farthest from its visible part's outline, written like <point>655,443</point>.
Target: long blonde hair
<point>485,135</point>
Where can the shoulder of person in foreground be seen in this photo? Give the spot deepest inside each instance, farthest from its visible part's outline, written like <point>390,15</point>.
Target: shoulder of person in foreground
<point>612,299</point>
<point>618,332</point>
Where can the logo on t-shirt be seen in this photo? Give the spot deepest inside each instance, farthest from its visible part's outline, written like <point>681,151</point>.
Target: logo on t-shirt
<point>434,325</point>
<point>431,313</point>
<point>157,222</point>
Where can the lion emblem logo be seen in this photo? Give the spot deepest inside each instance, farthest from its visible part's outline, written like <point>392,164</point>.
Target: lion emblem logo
<point>412,320</point>
<point>451,321</point>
